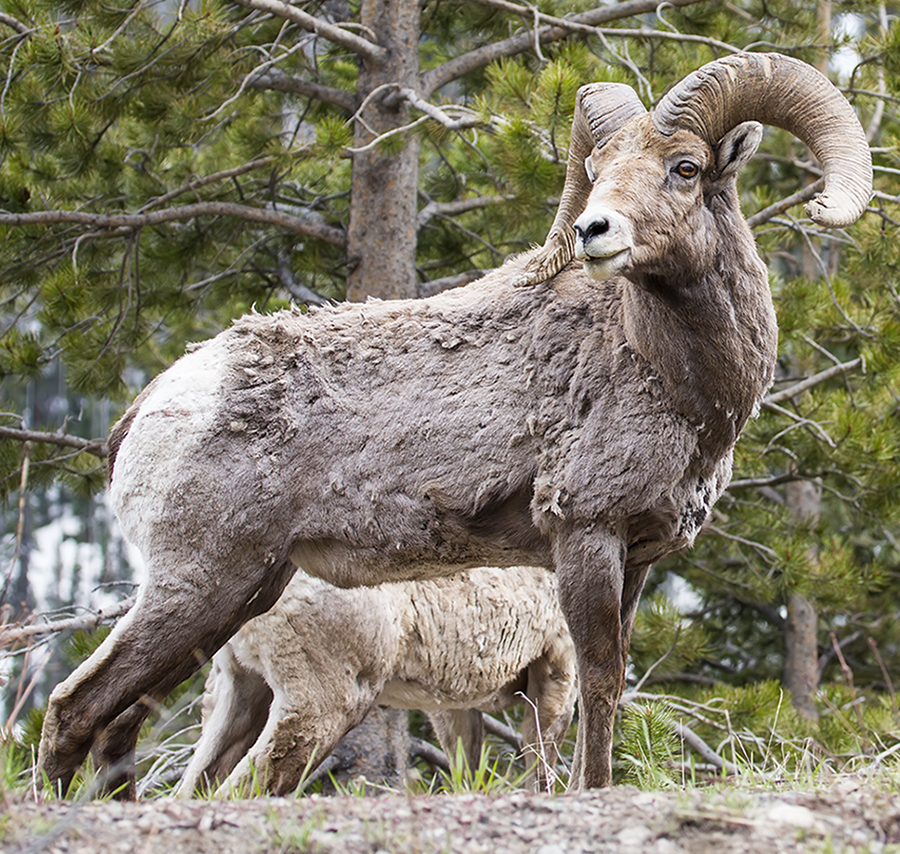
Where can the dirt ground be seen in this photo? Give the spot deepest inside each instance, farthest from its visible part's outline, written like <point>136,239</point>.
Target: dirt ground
<point>848,817</point>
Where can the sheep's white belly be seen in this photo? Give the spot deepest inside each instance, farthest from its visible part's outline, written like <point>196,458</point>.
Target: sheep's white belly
<point>403,694</point>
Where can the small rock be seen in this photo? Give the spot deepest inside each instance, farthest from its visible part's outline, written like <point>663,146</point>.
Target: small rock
<point>792,814</point>
<point>635,836</point>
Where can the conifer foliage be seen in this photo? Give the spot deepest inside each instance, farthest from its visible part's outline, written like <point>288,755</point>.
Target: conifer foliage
<point>166,165</point>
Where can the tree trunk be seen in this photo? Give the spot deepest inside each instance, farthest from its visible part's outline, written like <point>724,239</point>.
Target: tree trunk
<point>381,253</point>
<point>381,236</point>
<point>804,500</point>
<point>378,749</point>
<point>801,651</point>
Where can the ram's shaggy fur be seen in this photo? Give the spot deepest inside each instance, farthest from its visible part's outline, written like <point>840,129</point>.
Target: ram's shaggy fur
<point>585,423</point>
<point>289,685</point>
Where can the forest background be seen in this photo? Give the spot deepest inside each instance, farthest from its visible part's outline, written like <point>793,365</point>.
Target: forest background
<point>167,166</point>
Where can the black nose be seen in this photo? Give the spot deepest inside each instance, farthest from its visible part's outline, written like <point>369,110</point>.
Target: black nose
<point>596,229</point>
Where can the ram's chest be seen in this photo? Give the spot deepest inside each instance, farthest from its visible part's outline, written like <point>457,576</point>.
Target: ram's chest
<point>676,521</point>
<point>701,496</point>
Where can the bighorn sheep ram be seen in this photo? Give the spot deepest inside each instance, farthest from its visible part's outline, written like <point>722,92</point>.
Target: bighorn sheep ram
<point>584,423</point>
<point>322,657</point>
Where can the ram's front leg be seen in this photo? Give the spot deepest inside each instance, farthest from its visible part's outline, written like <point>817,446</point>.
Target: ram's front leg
<point>591,569</point>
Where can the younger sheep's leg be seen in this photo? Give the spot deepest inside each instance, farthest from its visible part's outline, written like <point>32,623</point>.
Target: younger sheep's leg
<point>288,750</point>
<point>235,709</point>
<point>590,567</point>
<point>163,639</point>
<point>548,713</point>
<point>454,725</point>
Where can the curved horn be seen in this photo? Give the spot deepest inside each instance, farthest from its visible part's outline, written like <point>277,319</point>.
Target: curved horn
<point>600,110</point>
<point>787,93</point>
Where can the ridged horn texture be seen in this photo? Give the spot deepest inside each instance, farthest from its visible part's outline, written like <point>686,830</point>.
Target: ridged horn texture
<point>790,94</point>
<point>600,110</point>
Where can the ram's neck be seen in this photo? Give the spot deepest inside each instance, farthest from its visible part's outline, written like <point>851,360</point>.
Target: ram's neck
<point>713,343</point>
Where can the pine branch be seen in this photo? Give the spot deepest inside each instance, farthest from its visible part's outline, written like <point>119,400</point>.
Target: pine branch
<point>478,58</point>
<point>362,47</point>
<point>95,447</point>
<point>308,228</point>
<point>278,81</point>
<point>685,733</point>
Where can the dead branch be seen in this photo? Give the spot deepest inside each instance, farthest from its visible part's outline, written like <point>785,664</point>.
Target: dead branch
<point>9,636</point>
<point>521,42</point>
<point>332,32</point>
<point>502,731</point>
<point>193,186</point>
<point>460,206</point>
<point>797,198</point>
<point>280,82</point>
<point>531,13</point>
<point>815,379</point>
<point>15,24</point>
<point>306,227</point>
<point>89,446</point>
<point>421,749</point>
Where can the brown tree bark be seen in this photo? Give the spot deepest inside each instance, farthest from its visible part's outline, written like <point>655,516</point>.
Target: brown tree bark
<point>801,650</point>
<point>381,236</point>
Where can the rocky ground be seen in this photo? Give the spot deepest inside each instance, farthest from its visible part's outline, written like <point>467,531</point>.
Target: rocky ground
<point>848,817</point>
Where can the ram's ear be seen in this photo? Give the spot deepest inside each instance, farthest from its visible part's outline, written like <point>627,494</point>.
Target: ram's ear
<point>736,148</point>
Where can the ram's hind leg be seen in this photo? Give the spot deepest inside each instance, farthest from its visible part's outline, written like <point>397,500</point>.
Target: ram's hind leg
<point>172,629</point>
<point>114,748</point>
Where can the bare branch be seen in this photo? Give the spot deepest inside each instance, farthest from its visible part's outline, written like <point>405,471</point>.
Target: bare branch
<point>531,13</point>
<point>797,198</point>
<point>502,731</point>
<point>800,421</point>
<point>478,58</point>
<point>17,25</point>
<point>433,209</point>
<point>362,47</point>
<point>306,227</point>
<point>703,750</point>
<point>470,117</point>
<point>280,82</point>
<point>295,288</point>
<point>425,750</point>
<point>815,379</point>
<point>9,636</point>
<point>192,186</point>
<point>95,447</point>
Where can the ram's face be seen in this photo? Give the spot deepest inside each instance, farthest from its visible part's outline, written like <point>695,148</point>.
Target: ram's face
<point>646,214</point>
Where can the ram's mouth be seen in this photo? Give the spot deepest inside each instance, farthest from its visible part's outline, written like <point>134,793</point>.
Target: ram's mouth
<point>603,266</point>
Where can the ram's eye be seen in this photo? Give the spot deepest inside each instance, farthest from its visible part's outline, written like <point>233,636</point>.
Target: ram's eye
<point>687,169</point>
